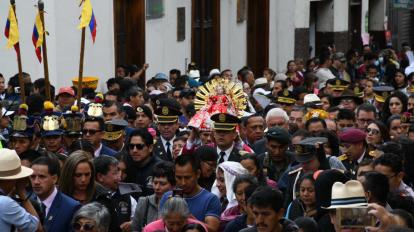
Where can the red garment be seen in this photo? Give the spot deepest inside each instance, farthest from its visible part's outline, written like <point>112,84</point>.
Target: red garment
<point>299,82</point>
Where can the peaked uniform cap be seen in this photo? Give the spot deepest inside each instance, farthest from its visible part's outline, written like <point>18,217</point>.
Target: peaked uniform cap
<point>337,84</point>
<point>305,150</point>
<point>114,129</point>
<point>382,92</point>
<point>348,95</point>
<point>286,97</point>
<point>167,110</point>
<point>225,122</point>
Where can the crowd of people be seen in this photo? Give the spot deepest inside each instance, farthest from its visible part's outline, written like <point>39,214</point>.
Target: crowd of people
<point>325,146</point>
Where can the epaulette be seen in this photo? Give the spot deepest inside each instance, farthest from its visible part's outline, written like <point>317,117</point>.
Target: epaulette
<point>375,153</point>
<point>343,157</point>
<point>295,171</point>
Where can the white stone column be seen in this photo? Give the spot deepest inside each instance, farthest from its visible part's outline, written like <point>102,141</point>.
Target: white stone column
<point>281,33</point>
<point>233,37</point>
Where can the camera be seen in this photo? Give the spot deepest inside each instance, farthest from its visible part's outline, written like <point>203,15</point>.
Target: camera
<point>354,217</point>
<point>177,192</point>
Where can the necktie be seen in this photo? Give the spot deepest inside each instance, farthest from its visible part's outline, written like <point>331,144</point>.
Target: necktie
<point>222,154</point>
<point>43,206</point>
<point>168,150</point>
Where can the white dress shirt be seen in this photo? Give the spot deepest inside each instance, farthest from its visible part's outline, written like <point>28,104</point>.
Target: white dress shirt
<point>48,201</point>
<point>98,151</point>
<point>164,143</point>
<point>228,152</point>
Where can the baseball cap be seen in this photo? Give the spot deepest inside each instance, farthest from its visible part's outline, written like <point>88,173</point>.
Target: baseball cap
<point>67,90</point>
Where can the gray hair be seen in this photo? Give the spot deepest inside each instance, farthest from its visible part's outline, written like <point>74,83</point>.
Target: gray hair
<point>96,212</point>
<point>175,205</point>
<point>277,112</point>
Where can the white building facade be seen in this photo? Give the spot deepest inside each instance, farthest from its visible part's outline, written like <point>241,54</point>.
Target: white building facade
<point>167,34</point>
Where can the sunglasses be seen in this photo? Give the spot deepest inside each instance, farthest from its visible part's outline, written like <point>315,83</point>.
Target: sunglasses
<point>138,146</point>
<point>86,226</point>
<point>373,131</point>
<point>347,101</point>
<point>91,132</point>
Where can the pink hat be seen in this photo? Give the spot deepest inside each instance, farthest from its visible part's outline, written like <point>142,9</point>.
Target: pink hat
<point>67,90</point>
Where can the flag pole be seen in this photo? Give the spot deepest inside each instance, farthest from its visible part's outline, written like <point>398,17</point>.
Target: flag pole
<point>80,78</point>
<point>19,62</point>
<point>41,5</point>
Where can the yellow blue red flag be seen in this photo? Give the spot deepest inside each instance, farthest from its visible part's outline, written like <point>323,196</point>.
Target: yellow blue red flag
<point>12,30</point>
<point>88,18</point>
<point>37,37</point>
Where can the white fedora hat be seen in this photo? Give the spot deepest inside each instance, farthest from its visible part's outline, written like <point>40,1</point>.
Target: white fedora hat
<point>312,98</point>
<point>348,195</point>
<point>11,167</point>
<point>260,82</point>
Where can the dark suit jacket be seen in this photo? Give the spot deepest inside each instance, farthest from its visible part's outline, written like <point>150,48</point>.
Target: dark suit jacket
<point>259,146</point>
<point>161,152</point>
<point>234,155</point>
<point>60,213</point>
<point>107,151</point>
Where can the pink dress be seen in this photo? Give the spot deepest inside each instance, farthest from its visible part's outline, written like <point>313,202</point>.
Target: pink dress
<point>215,104</point>
<point>159,225</point>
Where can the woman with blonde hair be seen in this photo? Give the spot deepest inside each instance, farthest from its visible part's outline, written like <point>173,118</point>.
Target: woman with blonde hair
<point>77,177</point>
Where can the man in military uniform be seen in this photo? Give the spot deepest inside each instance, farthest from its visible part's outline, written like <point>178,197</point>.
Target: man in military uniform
<point>335,87</point>
<point>286,100</point>
<point>51,131</point>
<point>114,134</point>
<point>305,153</point>
<point>275,160</point>
<point>168,111</point>
<point>225,134</point>
<point>24,128</point>
<point>380,94</point>
<point>348,100</point>
<point>354,149</point>
<point>72,125</point>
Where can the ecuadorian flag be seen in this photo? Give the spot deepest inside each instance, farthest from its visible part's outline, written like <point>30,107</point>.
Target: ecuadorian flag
<point>37,37</point>
<point>88,18</point>
<point>12,31</point>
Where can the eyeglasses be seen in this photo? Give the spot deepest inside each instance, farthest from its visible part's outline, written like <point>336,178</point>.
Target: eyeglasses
<point>365,120</point>
<point>346,125</point>
<point>138,146</point>
<point>347,101</point>
<point>90,132</point>
<point>373,131</point>
<point>86,226</point>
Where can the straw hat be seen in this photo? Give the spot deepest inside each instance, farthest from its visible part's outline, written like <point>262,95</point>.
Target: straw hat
<point>348,195</point>
<point>260,82</point>
<point>10,166</point>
